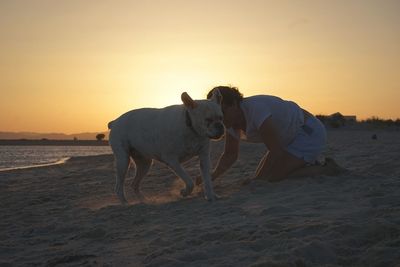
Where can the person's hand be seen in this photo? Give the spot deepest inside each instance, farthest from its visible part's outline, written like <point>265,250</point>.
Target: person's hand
<point>250,180</point>
<point>247,181</point>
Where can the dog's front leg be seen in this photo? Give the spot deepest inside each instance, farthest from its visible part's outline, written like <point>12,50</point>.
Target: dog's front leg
<point>205,167</point>
<point>179,171</point>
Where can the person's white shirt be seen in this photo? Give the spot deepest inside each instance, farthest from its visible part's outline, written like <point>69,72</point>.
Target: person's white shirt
<point>287,118</point>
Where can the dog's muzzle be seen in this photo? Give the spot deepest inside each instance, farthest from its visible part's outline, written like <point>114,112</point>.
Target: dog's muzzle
<point>219,130</point>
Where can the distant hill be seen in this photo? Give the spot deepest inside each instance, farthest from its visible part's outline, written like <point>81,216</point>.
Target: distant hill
<point>50,136</point>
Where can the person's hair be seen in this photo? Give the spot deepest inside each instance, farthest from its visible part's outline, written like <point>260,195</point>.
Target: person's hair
<point>230,94</point>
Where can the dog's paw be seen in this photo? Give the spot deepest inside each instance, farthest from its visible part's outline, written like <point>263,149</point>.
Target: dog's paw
<point>212,197</point>
<point>124,202</point>
<point>122,199</point>
<point>140,197</point>
<point>186,191</point>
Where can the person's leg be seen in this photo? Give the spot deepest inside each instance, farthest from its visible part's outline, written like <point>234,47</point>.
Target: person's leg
<point>284,167</point>
<point>278,169</point>
<point>308,144</point>
<point>292,167</point>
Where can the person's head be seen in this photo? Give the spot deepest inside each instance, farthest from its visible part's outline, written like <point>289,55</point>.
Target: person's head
<point>231,98</point>
<point>230,95</point>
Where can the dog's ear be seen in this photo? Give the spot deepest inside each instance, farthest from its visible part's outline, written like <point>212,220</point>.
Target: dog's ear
<point>216,96</point>
<point>188,101</point>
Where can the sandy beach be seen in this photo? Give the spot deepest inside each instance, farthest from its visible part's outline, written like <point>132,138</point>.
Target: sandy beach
<point>67,215</point>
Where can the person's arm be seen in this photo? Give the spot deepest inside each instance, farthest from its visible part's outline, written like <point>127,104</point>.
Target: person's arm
<point>228,157</point>
<point>226,160</point>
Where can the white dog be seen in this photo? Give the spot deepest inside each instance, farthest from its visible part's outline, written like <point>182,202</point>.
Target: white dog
<point>171,135</point>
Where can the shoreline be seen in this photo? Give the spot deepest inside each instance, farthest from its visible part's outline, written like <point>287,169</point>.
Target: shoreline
<point>58,162</point>
<point>62,161</point>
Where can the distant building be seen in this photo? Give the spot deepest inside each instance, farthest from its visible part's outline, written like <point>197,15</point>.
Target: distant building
<point>337,120</point>
<point>350,118</point>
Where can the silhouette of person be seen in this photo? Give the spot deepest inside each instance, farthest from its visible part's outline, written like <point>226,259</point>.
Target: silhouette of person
<point>294,138</point>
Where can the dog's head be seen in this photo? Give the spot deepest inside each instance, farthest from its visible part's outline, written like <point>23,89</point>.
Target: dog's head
<point>205,115</point>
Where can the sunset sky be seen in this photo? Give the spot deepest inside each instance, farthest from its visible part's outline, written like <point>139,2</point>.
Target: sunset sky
<point>72,66</point>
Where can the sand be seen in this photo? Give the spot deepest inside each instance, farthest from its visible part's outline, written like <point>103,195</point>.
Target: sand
<point>67,215</point>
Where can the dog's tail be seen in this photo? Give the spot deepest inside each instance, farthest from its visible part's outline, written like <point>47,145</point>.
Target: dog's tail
<point>110,124</point>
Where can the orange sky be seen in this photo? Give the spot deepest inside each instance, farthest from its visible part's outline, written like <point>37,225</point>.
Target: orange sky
<point>72,66</point>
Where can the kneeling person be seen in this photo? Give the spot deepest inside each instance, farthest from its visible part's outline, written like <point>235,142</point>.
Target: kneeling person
<point>293,137</point>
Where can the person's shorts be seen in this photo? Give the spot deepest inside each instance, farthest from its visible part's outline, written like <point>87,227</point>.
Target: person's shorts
<point>309,142</point>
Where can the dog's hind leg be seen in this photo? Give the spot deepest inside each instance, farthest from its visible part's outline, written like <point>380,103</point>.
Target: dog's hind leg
<point>121,165</point>
<point>142,167</point>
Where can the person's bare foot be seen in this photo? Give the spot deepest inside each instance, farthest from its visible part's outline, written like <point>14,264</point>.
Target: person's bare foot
<point>332,168</point>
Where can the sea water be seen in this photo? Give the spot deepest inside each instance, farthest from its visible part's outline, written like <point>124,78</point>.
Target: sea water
<point>17,157</point>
